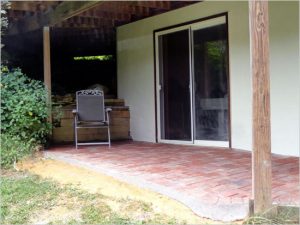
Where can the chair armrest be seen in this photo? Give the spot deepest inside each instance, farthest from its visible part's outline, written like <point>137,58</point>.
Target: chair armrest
<point>108,109</point>
<point>75,115</point>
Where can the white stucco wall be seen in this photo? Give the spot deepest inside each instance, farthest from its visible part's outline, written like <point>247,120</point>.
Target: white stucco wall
<point>284,72</point>
<point>135,63</point>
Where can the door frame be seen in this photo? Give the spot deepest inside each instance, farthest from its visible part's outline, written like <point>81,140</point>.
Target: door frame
<point>174,28</point>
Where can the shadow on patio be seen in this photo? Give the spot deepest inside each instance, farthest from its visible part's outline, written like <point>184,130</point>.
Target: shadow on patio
<point>213,182</point>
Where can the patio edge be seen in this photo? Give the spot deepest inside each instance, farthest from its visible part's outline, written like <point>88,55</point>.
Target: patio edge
<point>215,211</point>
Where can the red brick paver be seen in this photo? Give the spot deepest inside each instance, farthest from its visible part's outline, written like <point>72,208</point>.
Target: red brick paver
<point>217,176</point>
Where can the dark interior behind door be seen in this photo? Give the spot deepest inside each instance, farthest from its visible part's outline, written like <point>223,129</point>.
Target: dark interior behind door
<point>175,104</point>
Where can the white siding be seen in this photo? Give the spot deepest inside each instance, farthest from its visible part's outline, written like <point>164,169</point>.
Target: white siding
<point>136,71</point>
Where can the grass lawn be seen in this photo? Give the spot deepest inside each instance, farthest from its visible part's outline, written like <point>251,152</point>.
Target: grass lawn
<point>26,198</point>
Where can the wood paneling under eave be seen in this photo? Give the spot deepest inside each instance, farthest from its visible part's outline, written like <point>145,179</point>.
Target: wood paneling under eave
<point>28,16</point>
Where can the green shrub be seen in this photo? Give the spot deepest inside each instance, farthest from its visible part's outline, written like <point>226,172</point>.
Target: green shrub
<point>24,112</point>
<point>13,148</point>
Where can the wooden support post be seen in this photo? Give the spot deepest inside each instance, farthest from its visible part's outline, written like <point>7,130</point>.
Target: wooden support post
<point>47,66</point>
<point>261,143</point>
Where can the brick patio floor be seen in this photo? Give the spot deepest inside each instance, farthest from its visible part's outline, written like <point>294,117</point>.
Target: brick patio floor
<point>213,182</point>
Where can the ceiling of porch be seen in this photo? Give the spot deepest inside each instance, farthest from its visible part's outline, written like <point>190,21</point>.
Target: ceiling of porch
<point>81,19</point>
<point>77,28</point>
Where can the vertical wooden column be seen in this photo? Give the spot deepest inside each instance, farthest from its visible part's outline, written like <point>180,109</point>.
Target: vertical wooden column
<point>47,65</point>
<point>261,128</point>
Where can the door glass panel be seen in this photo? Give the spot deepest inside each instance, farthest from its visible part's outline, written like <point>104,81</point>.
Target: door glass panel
<point>174,70</point>
<point>211,83</point>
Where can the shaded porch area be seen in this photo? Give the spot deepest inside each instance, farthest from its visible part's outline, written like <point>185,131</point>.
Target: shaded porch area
<point>213,182</point>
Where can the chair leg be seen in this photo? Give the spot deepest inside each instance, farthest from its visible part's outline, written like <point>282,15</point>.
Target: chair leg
<point>108,135</point>
<point>75,132</point>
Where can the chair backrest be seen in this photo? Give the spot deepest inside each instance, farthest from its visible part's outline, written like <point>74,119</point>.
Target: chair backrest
<point>90,105</point>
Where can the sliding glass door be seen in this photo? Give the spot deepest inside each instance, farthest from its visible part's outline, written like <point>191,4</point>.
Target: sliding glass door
<point>174,82</point>
<point>210,63</point>
<point>192,83</point>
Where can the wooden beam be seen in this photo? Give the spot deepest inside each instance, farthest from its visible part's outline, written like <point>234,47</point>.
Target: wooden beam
<point>261,143</point>
<point>69,9</point>
<point>63,11</point>
<point>47,66</point>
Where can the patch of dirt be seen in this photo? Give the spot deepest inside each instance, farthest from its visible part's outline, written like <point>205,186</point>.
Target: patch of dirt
<point>11,173</point>
<point>137,210</point>
<point>59,213</point>
<point>95,182</point>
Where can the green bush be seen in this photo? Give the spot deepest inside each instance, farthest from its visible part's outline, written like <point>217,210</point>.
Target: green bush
<point>13,148</point>
<point>24,112</point>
